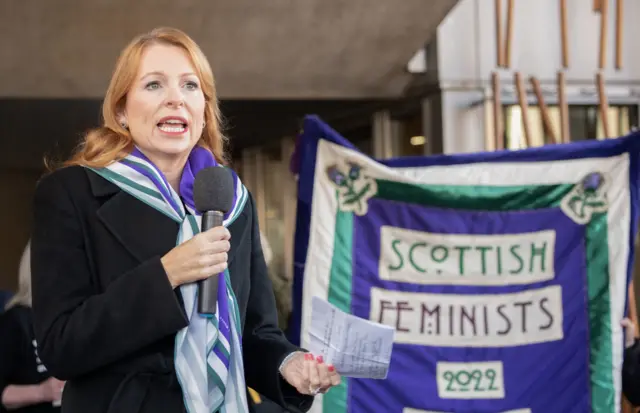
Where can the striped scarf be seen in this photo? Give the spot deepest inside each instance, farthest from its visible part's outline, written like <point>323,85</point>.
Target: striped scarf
<point>218,384</point>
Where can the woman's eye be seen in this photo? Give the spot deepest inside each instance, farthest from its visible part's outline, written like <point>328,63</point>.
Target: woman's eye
<point>152,85</point>
<point>191,85</point>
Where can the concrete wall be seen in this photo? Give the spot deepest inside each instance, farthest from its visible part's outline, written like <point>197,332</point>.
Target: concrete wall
<point>466,44</point>
<point>280,49</point>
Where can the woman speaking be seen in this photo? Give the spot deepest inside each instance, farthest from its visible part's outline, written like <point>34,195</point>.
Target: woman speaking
<point>116,253</point>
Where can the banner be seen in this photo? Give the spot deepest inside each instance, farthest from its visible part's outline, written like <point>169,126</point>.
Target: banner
<point>504,274</point>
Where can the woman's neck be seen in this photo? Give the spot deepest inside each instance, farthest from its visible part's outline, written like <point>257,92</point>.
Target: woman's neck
<point>173,177</point>
<point>171,167</point>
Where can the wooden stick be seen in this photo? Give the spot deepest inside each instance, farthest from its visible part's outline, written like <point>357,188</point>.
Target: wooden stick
<point>597,6</point>
<point>524,107</point>
<point>507,62</point>
<point>565,133</point>
<point>604,104</point>
<point>497,112</point>
<point>604,20</point>
<point>546,119</point>
<point>499,48</point>
<point>563,33</point>
<point>619,32</point>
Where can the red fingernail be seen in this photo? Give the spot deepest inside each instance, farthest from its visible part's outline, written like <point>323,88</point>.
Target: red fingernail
<point>319,359</point>
<point>308,356</point>
<point>331,368</point>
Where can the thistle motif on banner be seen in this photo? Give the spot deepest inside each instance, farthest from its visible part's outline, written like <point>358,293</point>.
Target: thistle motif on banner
<point>354,187</point>
<point>586,198</point>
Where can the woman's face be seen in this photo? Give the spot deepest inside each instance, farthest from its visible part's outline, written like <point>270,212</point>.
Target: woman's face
<point>165,105</point>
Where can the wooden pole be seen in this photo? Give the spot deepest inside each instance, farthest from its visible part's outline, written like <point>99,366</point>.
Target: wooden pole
<point>546,119</point>
<point>524,107</point>
<point>604,104</point>
<point>597,6</point>
<point>510,5</point>
<point>619,32</point>
<point>499,40</point>
<point>497,113</point>
<point>564,109</point>
<point>563,33</point>
<point>604,19</point>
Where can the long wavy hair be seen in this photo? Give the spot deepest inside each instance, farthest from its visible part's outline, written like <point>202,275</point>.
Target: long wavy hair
<point>111,142</point>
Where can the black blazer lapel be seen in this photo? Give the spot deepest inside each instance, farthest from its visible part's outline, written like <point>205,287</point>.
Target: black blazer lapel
<point>126,217</point>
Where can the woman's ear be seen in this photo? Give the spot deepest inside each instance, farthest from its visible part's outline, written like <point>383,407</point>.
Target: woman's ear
<point>122,120</point>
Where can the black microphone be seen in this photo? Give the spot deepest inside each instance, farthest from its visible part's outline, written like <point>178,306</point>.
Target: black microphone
<point>213,197</point>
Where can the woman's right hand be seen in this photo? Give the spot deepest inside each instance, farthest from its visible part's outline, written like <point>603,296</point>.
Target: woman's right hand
<point>201,257</point>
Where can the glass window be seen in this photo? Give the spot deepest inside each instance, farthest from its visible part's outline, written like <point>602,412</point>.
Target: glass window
<point>410,135</point>
<point>584,123</point>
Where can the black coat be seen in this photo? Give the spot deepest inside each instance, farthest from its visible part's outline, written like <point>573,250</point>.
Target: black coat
<point>105,315</point>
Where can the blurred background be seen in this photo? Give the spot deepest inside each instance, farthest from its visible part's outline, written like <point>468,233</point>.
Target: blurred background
<point>407,77</point>
<point>397,78</point>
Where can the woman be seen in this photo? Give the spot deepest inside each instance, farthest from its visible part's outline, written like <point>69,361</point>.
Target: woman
<point>25,384</point>
<point>114,258</point>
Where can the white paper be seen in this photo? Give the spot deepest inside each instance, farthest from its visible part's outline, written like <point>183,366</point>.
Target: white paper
<point>355,346</point>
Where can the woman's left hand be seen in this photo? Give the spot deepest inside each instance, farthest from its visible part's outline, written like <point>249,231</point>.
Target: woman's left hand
<point>309,374</point>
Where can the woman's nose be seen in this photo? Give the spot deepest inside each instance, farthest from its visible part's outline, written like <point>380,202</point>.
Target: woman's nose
<point>174,97</point>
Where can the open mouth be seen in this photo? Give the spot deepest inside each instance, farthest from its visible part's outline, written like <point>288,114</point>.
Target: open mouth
<point>173,126</point>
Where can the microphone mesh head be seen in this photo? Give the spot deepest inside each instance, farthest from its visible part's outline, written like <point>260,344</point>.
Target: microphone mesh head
<point>213,189</point>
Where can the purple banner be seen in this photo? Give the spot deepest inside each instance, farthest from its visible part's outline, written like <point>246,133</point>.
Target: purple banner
<point>490,309</point>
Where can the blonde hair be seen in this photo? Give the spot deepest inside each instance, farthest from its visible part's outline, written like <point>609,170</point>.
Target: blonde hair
<point>23,296</point>
<point>111,142</point>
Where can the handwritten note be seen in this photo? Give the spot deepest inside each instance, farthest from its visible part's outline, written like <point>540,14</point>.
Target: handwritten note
<point>355,346</point>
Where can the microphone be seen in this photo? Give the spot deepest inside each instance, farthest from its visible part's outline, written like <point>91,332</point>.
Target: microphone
<point>213,197</point>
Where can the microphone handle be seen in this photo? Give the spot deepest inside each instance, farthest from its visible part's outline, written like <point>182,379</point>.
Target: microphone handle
<point>208,288</point>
